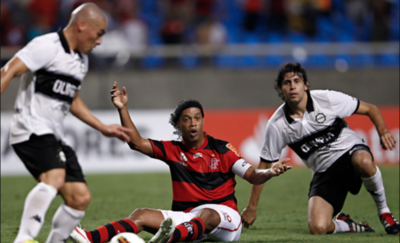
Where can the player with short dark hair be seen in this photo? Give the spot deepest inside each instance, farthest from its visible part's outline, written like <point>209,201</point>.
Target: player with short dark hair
<point>53,67</point>
<point>311,123</point>
<point>203,172</point>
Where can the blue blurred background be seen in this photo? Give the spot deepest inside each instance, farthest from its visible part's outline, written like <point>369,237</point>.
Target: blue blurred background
<point>137,26</point>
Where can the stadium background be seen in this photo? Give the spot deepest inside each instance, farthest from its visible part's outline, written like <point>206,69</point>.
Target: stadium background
<point>226,54</point>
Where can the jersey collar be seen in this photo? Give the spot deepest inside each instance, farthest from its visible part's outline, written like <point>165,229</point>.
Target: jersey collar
<point>199,148</point>
<point>64,42</point>
<point>309,107</point>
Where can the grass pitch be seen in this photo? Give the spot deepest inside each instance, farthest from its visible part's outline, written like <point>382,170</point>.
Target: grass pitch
<point>282,213</point>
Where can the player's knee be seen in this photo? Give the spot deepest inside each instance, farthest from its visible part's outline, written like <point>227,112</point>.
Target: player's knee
<point>318,228</point>
<point>79,201</point>
<point>138,213</point>
<point>210,218</point>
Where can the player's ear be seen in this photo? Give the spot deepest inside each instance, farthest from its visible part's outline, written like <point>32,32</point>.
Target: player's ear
<point>306,84</point>
<point>81,25</point>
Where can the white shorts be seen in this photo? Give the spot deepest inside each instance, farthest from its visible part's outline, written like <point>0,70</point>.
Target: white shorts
<point>229,229</point>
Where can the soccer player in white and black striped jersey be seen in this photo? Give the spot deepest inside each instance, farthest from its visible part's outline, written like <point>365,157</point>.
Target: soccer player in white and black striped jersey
<point>53,67</point>
<point>311,123</point>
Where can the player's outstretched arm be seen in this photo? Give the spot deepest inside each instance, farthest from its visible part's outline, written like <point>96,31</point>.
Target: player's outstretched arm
<point>82,112</point>
<point>258,177</point>
<point>13,68</point>
<point>120,99</point>
<point>387,139</point>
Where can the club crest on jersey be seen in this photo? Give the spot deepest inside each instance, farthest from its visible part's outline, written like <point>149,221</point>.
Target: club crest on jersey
<point>214,163</point>
<point>320,118</point>
<point>184,159</point>
<point>197,155</point>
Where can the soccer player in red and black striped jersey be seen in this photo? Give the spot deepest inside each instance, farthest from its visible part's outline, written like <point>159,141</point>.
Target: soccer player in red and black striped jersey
<point>203,172</point>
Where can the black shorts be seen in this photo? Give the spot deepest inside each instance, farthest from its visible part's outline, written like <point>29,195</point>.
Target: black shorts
<point>339,179</point>
<point>44,153</point>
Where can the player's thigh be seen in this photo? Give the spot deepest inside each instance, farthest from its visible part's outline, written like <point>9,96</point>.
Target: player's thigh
<point>230,226</point>
<point>319,212</point>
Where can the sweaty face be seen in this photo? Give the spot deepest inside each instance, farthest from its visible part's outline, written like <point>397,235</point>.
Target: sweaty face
<point>293,87</point>
<point>91,35</point>
<point>191,125</point>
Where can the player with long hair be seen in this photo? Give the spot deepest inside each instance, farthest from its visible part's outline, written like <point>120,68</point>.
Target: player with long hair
<point>312,124</point>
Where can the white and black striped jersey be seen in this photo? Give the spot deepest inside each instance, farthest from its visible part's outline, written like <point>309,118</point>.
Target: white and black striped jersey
<point>320,137</point>
<point>47,90</point>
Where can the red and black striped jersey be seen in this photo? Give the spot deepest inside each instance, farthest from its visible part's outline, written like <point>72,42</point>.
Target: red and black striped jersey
<point>200,176</point>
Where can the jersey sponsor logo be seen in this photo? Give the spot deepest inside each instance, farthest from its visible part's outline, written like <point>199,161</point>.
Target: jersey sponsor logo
<point>197,155</point>
<point>58,86</point>
<point>183,159</point>
<point>233,149</point>
<point>318,140</point>
<point>320,118</point>
<point>214,163</point>
<point>64,88</point>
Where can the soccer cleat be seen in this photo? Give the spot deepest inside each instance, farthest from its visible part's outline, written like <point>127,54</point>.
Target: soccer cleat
<point>78,235</point>
<point>391,225</point>
<point>167,227</point>
<point>354,227</point>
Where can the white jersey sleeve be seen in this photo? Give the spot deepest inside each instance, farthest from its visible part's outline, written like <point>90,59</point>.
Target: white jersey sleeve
<point>273,145</point>
<point>240,167</point>
<point>37,54</point>
<point>344,105</point>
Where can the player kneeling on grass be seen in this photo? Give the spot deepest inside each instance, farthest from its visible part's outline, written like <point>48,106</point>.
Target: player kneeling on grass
<point>203,180</point>
<point>311,123</point>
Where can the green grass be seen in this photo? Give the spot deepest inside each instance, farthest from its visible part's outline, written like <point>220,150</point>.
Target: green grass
<point>282,213</point>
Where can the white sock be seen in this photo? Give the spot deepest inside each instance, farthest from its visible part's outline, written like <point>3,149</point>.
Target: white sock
<point>36,204</point>
<point>64,221</point>
<point>374,186</point>
<point>340,226</point>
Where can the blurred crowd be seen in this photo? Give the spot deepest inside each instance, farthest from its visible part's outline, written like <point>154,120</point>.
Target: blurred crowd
<point>136,23</point>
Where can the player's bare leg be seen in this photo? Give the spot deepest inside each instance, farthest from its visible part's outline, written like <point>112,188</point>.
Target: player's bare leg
<point>372,179</point>
<point>210,218</point>
<point>320,216</point>
<point>77,197</point>
<point>363,164</point>
<point>147,219</point>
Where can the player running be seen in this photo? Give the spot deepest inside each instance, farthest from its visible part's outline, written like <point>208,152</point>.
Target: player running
<point>54,66</point>
<point>311,123</point>
<point>203,173</point>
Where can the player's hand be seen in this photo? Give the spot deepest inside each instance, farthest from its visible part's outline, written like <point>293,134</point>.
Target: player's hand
<point>117,97</point>
<point>388,141</point>
<point>117,131</point>
<point>248,216</point>
<point>280,167</point>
